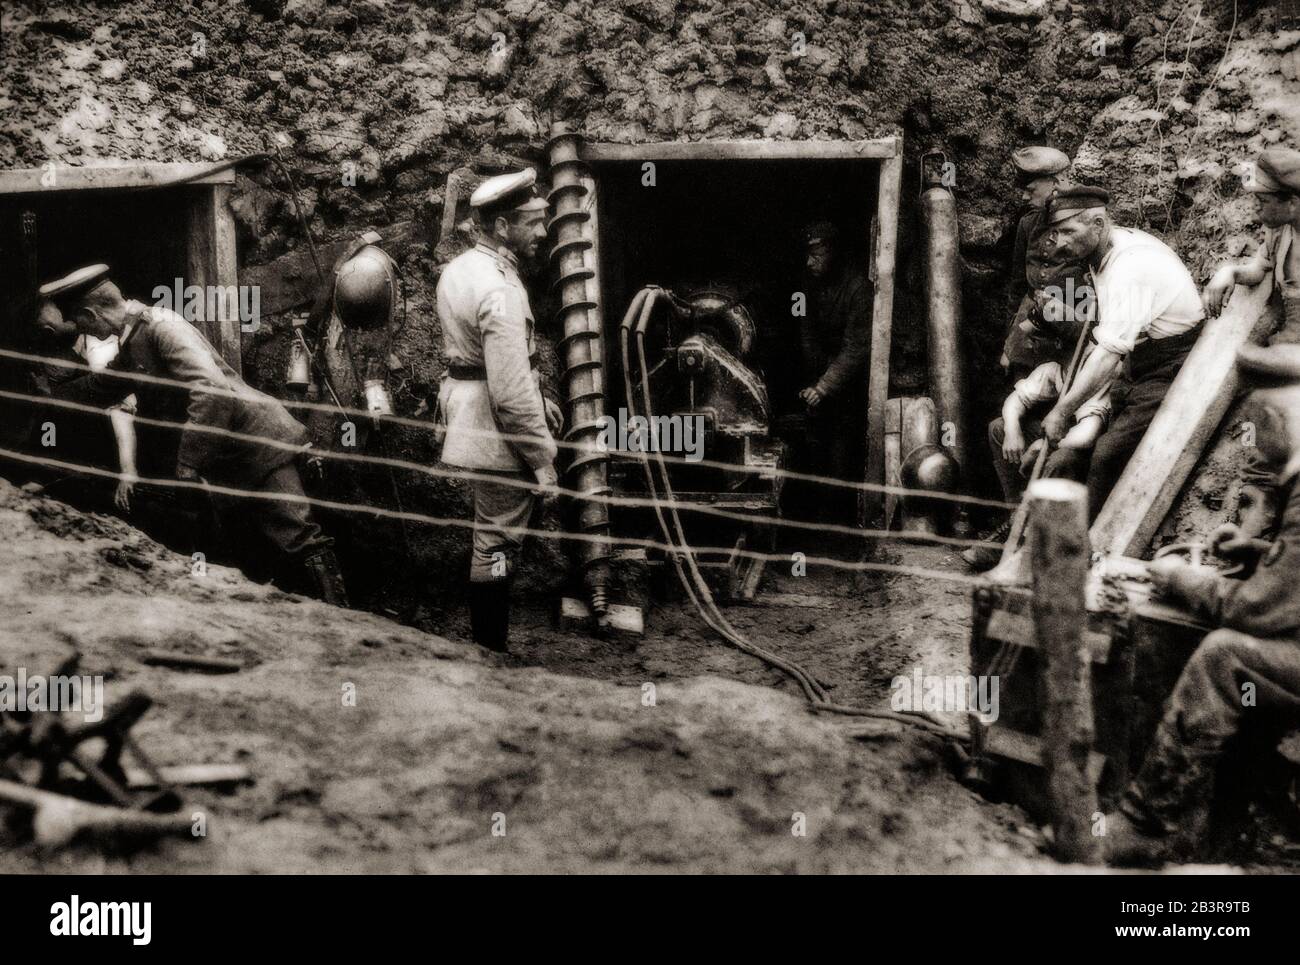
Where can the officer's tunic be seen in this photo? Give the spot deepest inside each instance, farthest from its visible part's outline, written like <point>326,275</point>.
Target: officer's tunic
<point>160,343</point>
<point>1035,269</point>
<point>490,400</point>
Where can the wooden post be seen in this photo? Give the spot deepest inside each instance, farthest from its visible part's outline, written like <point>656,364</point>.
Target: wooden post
<point>882,318</point>
<point>210,262</point>
<point>1060,554</point>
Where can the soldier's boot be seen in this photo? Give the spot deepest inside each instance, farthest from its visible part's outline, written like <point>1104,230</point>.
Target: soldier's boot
<point>1166,810</point>
<point>326,578</point>
<point>489,614</point>
<point>989,552</point>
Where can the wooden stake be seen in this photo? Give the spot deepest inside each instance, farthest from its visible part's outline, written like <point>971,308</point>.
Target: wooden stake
<point>1060,554</point>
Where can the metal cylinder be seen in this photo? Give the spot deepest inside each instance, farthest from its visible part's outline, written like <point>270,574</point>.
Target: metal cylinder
<point>944,313</point>
<point>297,375</point>
<point>582,353</point>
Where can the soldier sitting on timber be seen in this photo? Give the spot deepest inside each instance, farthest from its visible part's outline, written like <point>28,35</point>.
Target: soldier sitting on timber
<point>491,391</point>
<point>1013,458</point>
<point>158,342</point>
<point>1040,331</point>
<point>1165,811</point>
<point>834,344</point>
<point>1148,319</point>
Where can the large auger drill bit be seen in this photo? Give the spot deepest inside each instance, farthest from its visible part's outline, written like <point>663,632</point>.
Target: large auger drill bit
<point>583,354</point>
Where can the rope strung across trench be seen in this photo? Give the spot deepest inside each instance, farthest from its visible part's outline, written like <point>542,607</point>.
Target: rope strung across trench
<point>424,425</point>
<point>472,476</point>
<point>382,512</point>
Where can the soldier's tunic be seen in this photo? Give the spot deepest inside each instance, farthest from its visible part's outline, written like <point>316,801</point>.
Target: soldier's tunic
<point>159,342</point>
<point>490,393</point>
<point>1258,643</point>
<point>1034,270</point>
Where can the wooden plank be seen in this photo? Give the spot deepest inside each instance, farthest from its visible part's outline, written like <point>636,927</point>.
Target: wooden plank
<point>1018,628</point>
<point>1187,420</point>
<point>190,775</point>
<point>882,314</point>
<point>64,177</point>
<point>751,150</point>
<point>1024,748</point>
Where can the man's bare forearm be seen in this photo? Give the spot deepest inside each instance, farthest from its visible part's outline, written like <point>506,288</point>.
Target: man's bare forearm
<point>1097,371</point>
<point>124,433</point>
<point>1012,411</point>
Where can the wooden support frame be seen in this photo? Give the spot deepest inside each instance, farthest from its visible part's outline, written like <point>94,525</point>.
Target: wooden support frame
<point>753,150</point>
<point>883,229</point>
<point>116,175</point>
<point>884,251</point>
<point>210,261</point>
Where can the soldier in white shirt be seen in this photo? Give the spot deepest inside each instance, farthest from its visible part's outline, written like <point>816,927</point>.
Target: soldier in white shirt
<point>497,422</point>
<point>1149,316</point>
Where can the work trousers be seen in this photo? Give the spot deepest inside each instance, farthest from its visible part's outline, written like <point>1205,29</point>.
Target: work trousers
<point>1229,676</point>
<point>1061,463</point>
<point>1135,398</point>
<point>286,526</point>
<point>499,510</point>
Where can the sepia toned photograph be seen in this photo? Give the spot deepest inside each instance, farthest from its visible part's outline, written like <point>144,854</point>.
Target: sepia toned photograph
<point>637,437</point>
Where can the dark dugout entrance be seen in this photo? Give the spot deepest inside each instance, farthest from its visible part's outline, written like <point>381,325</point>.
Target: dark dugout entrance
<point>724,219</point>
<point>154,225</point>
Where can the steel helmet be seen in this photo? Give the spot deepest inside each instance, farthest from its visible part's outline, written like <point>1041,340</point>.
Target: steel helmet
<point>365,289</point>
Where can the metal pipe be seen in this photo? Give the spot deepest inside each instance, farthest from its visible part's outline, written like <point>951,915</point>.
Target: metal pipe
<point>944,313</point>
<point>582,353</point>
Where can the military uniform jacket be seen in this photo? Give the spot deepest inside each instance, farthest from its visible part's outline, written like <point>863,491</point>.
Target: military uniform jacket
<point>487,323</point>
<point>162,343</point>
<point>835,338</point>
<point>1265,605</point>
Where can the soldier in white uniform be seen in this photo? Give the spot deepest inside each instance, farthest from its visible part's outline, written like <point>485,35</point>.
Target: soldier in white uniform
<point>497,422</point>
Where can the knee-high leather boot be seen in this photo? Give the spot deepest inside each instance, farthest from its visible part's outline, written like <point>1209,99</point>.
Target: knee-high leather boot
<point>489,614</point>
<point>326,578</point>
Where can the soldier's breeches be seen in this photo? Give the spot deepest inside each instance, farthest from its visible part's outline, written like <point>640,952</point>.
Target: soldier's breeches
<point>1060,464</point>
<point>1116,445</point>
<point>499,509</point>
<point>288,526</point>
<point>1230,676</point>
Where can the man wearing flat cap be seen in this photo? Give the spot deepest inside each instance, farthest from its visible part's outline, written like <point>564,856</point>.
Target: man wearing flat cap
<point>834,343</point>
<point>1148,318</point>
<point>1039,332</point>
<point>1254,652</point>
<point>490,399</point>
<point>157,342</point>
